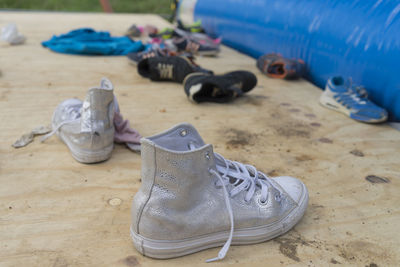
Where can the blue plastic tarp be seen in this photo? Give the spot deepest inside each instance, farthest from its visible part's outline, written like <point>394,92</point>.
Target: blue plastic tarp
<point>358,39</point>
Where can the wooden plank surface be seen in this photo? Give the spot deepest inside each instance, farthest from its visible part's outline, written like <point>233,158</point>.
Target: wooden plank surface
<point>58,212</point>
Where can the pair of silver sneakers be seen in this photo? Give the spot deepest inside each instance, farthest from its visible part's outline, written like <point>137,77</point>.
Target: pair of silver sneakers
<point>191,198</point>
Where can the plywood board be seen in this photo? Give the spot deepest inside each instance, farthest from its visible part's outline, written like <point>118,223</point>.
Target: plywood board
<point>58,212</point>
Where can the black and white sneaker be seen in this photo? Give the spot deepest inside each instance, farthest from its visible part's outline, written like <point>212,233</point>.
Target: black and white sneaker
<point>135,57</point>
<point>201,87</point>
<point>172,68</point>
<point>197,47</point>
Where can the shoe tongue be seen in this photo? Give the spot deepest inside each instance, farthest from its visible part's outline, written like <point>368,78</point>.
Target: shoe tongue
<point>344,87</point>
<point>341,89</point>
<point>106,84</point>
<point>219,162</point>
<point>73,109</point>
<point>347,83</point>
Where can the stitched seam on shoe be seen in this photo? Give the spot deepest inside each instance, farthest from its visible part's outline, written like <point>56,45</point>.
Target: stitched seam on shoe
<point>151,189</point>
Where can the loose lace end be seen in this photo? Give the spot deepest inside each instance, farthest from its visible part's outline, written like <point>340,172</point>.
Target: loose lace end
<point>213,259</point>
<point>222,252</point>
<point>44,138</point>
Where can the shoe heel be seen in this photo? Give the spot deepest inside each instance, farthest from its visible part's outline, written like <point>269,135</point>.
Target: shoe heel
<point>92,156</point>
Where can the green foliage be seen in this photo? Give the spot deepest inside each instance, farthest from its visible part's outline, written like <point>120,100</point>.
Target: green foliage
<point>125,6</point>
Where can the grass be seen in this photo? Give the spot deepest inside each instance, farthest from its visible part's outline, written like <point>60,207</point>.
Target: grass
<point>126,6</point>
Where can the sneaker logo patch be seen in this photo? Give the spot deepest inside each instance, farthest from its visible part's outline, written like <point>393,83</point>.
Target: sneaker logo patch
<point>238,85</point>
<point>166,70</point>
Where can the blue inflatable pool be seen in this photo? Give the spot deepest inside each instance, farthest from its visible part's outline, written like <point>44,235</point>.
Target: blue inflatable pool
<point>358,39</point>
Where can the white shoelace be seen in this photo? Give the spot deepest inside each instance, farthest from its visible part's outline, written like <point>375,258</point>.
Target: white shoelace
<point>245,177</point>
<point>225,248</point>
<point>74,111</point>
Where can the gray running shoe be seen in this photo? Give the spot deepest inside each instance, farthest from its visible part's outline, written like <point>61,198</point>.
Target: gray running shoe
<point>193,199</point>
<point>87,127</point>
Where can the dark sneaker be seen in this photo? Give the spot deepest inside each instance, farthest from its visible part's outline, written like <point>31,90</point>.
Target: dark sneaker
<point>135,58</point>
<point>200,38</point>
<point>166,33</point>
<point>201,87</point>
<point>171,68</point>
<point>197,47</point>
<point>276,66</point>
<point>194,28</point>
<point>134,31</point>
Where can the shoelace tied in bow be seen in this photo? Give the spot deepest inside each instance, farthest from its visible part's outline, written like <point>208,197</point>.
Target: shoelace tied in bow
<point>241,177</point>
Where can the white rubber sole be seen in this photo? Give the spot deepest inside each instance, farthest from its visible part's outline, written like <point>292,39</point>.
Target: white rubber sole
<point>331,103</point>
<point>165,249</point>
<point>88,156</point>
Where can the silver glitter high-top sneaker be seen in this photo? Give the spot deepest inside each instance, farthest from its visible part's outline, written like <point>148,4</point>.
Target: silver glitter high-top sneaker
<point>87,127</point>
<point>193,199</point>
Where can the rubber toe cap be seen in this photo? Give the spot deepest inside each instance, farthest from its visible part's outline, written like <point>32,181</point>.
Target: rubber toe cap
<point>294,187</point>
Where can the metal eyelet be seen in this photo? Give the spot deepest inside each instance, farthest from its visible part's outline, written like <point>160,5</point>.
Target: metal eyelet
<point>278,197</point>
<point>183,132</point>
<point>207,155</point>
<point>261,202</point>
